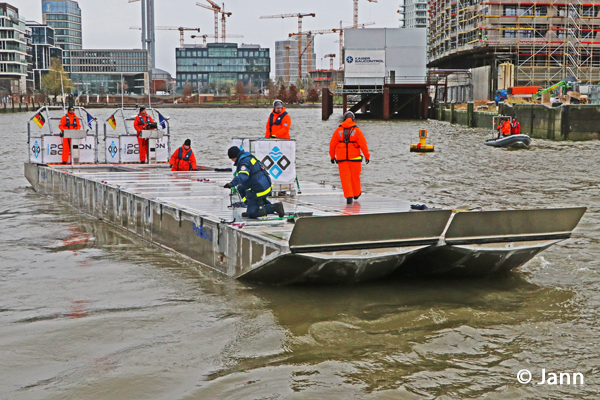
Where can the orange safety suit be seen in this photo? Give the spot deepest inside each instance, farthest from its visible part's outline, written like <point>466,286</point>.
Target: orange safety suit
<point>515,127</point>
<point>278,125</point>
<point>68,122</point>
<point>183,160</point>
<point>505,128</point>
<point>346,146</point>
<point>139,123</point>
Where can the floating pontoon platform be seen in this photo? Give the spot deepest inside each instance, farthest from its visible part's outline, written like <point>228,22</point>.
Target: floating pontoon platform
<point>326,242</point>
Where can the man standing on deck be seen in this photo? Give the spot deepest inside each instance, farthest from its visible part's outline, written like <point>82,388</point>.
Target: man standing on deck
<point>345,147</point>
<point>68,122</point>
<point>279,123</point>
<point>140,123</point>
<point>253,184</point>
<point>183,158</point>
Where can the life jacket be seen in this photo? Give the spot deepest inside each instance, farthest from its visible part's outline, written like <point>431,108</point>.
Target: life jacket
<point>68,124</point>
<point>349,142</point>
<point>516,128</point>
<point>259,180</point>
<point>186,157</point>
<point>506,128</point>
<point>277,121</point>
<point>143,122</point>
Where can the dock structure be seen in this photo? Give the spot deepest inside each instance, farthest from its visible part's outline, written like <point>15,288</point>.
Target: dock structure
<point>321,240</point>
<point>406,98</point>
<point>385,74</point>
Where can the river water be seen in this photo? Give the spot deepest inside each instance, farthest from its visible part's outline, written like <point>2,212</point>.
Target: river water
<point>89,312</point>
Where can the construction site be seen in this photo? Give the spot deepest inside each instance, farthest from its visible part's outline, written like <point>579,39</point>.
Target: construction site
<point>546,41</point>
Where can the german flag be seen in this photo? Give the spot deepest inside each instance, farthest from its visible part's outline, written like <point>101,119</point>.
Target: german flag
<point>39,120</point>
<point>112,122</point>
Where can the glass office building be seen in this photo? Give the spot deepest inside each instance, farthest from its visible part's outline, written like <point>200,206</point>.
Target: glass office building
<point>65,17</point>
<point>42,49</point>
<point>99,71</point>
<point>13,51</point>
<point>214,67</point>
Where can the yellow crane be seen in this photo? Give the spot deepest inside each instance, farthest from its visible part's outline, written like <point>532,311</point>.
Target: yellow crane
<point>339,31</point>
<point>355,20</point>
<point>214,7</point>
<point>299,16</point>
<point>181,29</point>
<point>331,57</point>
<point>205,36</point>
<point>287,63</point>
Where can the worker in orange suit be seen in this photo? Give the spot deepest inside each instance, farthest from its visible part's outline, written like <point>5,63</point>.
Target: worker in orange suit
<point>183,158</point>
<point>140,123</point>
<point>515,127</point>
<point>504,128</point>
<point>345,148</point>
<point>68,122</point>
<point>279,123</point>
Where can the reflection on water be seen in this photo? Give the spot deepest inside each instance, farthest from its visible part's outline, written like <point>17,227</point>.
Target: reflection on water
<point>87,311</point>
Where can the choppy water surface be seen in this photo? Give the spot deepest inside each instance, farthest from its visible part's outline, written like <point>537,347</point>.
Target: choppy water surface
<point>88,312</point>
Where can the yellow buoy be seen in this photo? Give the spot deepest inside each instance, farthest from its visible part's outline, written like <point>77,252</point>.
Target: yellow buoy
<point>422,147</point>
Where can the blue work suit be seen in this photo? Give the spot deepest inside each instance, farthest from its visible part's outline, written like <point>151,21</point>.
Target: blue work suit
<point>254,184</point>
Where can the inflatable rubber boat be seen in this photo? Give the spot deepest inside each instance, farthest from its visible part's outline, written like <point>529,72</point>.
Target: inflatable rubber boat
<point>511,141</point>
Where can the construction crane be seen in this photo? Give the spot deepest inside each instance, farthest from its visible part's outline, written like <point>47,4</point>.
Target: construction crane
<point>287,63</point>
<point>339,31</point>
<point>355,20</point>
<point>331,57</point>
<point>181,29</point>
<point>299,16</point>
<point>217,10</point>
<point>309,39</point>
<point>205,36</point>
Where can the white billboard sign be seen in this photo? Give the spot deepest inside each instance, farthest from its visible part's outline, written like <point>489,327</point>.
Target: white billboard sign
<point>49,149</point>
<point>364,64</point>
<point>125,148</point>
<point>279,158</point>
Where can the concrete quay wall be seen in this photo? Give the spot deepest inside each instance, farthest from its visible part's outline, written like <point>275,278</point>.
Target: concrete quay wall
<point>569,122</point>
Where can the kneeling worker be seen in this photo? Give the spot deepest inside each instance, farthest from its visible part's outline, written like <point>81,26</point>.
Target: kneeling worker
<point>183,158</point>
<point>253,183</point>
<point>345,147</point>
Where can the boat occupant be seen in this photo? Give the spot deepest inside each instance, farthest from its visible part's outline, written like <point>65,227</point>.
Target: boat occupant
<point>71,122</point>
<point>345,147</point>
<point>183,159</point>
<point>504,128</point>
<point>253,184</point>
<point>143,122</point>
<point>515,127</point>
<point>279,123</point>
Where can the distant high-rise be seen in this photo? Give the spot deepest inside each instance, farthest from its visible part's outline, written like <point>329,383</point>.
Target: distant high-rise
<point>413,13</point>
<point>281,59</point>
<point>65,17</point>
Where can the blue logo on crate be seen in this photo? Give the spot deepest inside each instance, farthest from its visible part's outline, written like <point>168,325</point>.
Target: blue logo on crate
<point>276,162</point>
<point>36,149</point>
<point>112,149</point>
<point>349,59</point>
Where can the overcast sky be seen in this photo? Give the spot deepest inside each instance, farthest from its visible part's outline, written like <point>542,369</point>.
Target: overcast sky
<point>106,22</point>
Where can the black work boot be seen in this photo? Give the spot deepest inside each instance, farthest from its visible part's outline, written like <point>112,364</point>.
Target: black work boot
<point>356,197</point>
<point>278,208</point>
<point>245,215</point>
<point>349,200</point>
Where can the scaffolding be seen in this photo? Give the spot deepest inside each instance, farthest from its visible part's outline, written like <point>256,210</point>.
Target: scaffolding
<point>547,40</point>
